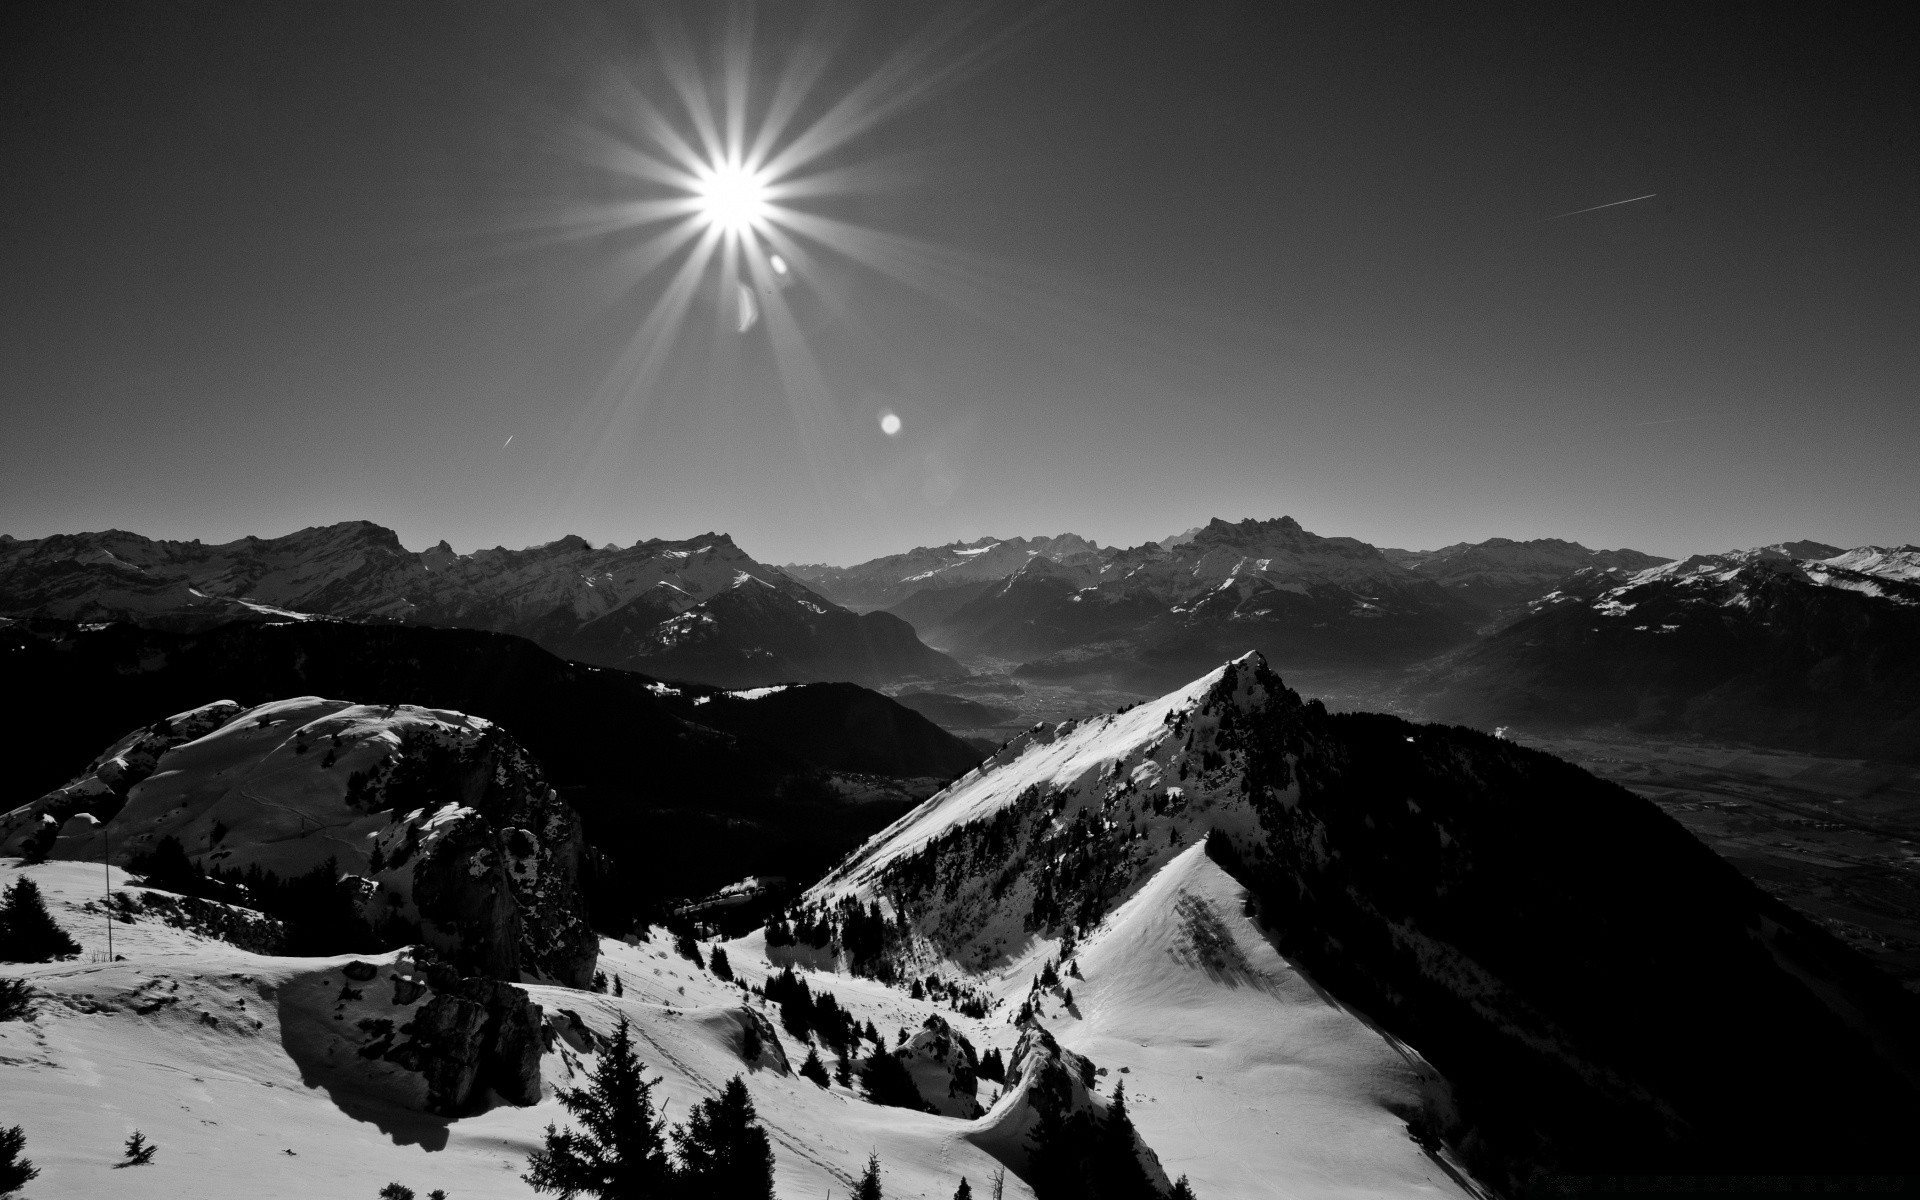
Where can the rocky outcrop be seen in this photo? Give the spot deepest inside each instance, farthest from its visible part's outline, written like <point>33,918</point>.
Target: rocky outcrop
<point>944,1068</point>
<point>1053,1121</point>
<point>491,876</point>
<point>412,1031</point>
<point>100,791</point>
<point>441,825</point>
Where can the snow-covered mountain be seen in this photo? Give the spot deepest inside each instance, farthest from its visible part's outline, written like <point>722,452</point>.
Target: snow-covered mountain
<point>1499,914</point>
<point>446,827</point>
<point>1158,612</point>
<point>699,608</point>
<point>884,582</point>
<point>1500,573</point>
<point>1797,644</point>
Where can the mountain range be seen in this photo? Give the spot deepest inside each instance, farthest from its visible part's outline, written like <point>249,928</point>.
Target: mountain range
<point>698,609</point>
<point>1156,613</point>
<point>1801,645</point>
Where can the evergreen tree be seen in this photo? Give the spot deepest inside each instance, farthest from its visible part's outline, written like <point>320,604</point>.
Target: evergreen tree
<point>139,1151</point>
<point>724,1153</point>
<point>15,999</point>
<point>719,965</point>
<point>888,1082</point>
<point>869,1186</point>
<point>964,1191</point>
<point>396,1191</point>
<point>15,1172</point>
<point>28,932</point>
<point>813,1068</point>
<point>621,1155</point>
<point>750,1044</point>
<point>1182,1190</point>
<point>1115,1170</point>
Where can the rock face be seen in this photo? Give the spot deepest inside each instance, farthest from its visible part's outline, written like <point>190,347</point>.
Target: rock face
<point>1052,1108</point>
<point>700,608</point>
<point>101,790</point>
<point>944,1068</point>
<point>441,824</point>
<point>1772,645</point>
<point>416,1033</point>
<point>1589,979</point>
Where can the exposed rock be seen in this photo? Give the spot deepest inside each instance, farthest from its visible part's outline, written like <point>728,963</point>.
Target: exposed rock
<point>944,1068</point>
<point>455,1040</point>
<point>32,830</point>
<point>444,827</point>
<point>1051,1097</point>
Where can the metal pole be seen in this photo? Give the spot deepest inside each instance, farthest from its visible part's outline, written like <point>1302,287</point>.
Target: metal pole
<point>106,873</point>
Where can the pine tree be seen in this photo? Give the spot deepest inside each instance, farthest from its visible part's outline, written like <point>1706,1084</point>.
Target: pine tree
<point>1116,1171</point>
<point>813,1068</point>
<point>964,1191</point>
<point>1182,1190</point>
<point>621,1155</point>
<point>869,1186</point>
<point>720,966</point>
<point>888,1082</point>
<point>28,932</point>
<point>15,1000</point>
<point>15,1172</point>
<point>139,1151</point>
<point>724,1153</point>
<point>396,1191</point>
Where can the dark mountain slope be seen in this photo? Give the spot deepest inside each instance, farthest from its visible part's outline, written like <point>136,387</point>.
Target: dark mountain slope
<point>1604,993</point>
<point>644,764</point>
<point>1769,650</point>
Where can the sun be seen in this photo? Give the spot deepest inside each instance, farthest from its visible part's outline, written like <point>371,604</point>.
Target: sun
<point>732,198</point>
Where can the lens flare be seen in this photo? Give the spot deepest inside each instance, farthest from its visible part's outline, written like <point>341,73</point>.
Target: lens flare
<point>732,198</point>
<point>722,171</point>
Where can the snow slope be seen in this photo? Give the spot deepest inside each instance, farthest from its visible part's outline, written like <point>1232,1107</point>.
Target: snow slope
<point>1240,1073</point>
<point>224,1059</point>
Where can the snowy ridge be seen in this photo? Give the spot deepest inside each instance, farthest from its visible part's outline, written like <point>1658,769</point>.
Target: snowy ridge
<point>1075,755</point>
<point>1884,573</point>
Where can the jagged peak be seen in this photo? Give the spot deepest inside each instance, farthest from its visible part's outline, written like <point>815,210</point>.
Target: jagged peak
<point>1081,756</point>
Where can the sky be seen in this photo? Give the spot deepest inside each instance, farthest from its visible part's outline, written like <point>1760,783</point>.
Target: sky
<point>1113,269</point>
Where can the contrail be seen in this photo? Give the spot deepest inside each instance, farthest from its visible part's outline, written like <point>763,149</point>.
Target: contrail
<point>1596,208</point>
<point>509,441</point>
